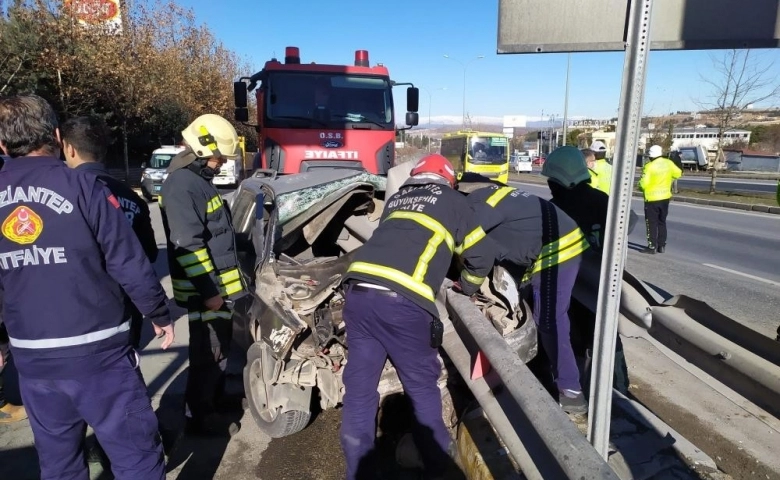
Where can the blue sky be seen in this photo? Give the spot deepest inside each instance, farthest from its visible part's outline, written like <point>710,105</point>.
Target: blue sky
<point>412,37</point>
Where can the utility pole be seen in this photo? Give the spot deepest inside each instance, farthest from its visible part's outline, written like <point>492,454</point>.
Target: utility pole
<point>464,65</point>
<point>566,101</point>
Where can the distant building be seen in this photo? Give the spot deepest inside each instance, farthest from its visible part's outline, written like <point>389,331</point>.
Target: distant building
<point>695,136</point>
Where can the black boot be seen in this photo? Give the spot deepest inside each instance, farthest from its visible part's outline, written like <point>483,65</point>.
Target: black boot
<point>649,249</point>
<point>661,248</point>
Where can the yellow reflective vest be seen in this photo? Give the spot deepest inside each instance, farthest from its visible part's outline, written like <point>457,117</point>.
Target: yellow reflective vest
<point>657,178</point>
<point>601,176</point>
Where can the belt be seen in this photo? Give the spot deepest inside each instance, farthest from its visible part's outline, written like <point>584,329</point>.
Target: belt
<point>377,291</point>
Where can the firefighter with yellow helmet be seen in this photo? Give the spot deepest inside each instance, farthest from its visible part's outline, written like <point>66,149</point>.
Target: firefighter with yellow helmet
<point>202,260</point>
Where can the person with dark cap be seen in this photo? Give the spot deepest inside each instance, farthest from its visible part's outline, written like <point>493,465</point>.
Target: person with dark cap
<point>540,245</point>
<point>204,266</point>
<point>84,145</point>
<point>67,258</point>
<point>390,289</point>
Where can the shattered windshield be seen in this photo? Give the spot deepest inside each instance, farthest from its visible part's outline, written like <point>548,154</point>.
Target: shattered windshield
<point>306,100</point>
<point>290,205</point>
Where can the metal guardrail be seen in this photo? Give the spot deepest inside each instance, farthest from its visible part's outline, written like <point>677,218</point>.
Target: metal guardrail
<point>538,435</point>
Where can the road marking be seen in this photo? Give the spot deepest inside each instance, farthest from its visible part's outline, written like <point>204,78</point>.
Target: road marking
<point>746,275</point>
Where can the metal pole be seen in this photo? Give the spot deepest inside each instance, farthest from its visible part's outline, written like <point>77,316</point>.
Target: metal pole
<point>464,96</point>
<point>613,261</point>
<point>464,65</point>
<point>566,100</point>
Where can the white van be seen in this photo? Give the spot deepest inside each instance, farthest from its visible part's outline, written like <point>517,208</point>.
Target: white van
<point>154,172</point>
<point>522,163</point>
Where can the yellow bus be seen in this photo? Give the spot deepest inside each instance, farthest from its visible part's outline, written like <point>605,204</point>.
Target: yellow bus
<point>485,153</point>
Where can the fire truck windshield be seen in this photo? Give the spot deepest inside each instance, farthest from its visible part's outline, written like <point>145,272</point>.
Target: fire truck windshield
<point>305,100</point>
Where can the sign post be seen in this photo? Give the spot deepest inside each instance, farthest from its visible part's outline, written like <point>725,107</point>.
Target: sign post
<point>613,260</point>
<point>530,26</point>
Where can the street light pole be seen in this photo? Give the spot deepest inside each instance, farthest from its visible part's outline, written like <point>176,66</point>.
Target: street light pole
<point>464,65</point>
<point>566,101</point>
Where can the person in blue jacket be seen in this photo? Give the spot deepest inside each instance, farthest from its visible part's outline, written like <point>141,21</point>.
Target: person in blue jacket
<point>84,146</point>
<point>67,257</point>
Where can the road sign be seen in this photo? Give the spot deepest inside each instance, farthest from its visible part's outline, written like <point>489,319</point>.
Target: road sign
<point>531,26</point>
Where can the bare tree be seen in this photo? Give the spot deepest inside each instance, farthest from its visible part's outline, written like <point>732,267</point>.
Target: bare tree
<point>739,78</point>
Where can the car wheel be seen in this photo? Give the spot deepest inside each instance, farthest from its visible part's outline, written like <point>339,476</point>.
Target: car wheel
<point>262,396</point>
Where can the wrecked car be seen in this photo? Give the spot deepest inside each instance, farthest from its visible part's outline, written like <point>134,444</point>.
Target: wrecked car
<point>296,236</point>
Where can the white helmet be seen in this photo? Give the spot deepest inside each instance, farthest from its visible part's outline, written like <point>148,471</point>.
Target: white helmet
<point>211,135</point>
<point>598,146</point>
<point>655,151</point>
<point>566,166</point>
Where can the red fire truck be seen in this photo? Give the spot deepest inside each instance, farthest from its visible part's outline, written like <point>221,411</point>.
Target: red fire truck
<point>314,115</point>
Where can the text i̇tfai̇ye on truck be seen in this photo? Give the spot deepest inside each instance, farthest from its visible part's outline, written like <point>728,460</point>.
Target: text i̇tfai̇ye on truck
<point>313,115</point>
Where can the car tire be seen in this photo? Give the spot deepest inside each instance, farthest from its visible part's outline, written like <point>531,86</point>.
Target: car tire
<point>271,421</point>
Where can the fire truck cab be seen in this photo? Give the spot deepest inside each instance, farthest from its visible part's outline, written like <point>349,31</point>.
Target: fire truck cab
<point>312,116</point>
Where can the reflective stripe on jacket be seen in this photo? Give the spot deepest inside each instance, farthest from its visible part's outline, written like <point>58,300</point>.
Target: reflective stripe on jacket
<point>201,243</point>
<point>657,178</point>
<point>531,232</point>
<point>410,252</point>
<point>68,256</point>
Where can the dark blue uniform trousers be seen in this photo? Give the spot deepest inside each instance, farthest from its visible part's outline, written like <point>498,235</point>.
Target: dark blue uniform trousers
<point>114,403</point>
<point>379,326</point>
<point>552,289</point>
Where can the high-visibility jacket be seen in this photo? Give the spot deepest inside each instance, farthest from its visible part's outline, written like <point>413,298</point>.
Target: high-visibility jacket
<point>68,256</point>
<point>201,241</point>
<point>531,232</point>
<point>601,176</point>
<point>411,250</point>
<point>657,178</point>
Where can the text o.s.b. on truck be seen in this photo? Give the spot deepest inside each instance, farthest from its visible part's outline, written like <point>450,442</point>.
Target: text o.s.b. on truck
<point>314,115</point>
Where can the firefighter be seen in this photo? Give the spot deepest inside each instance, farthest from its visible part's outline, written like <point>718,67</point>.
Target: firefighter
<point>204,267</point>
<point>390,288</point>
<point>84,145</point>
<point>656,185</point>
<point>67,257</point>
<point>601,168</point>
<point>568,179</point>
<point>540,245</point>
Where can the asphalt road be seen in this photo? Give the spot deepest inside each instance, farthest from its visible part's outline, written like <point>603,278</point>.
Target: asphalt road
<point>727,258</point>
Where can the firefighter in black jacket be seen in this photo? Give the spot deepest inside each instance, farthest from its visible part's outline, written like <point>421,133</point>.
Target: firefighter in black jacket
<point>84,145</point>
<point>542,246</point>
<point>390,311</point>
<point>203,263</point>
<point>569,181</point>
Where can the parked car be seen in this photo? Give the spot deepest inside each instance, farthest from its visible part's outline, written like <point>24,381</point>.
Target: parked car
<point>539,161</point>
<point>522,163</point>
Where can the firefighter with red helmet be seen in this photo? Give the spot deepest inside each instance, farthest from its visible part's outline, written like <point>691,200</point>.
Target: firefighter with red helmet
<point>389,310</point>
